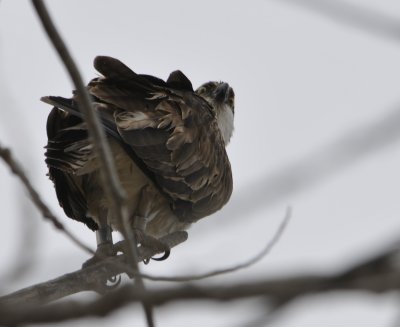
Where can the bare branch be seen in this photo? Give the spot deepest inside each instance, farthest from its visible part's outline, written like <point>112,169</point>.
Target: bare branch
<point>15,167</point>
<point>110,182</point>
<point>84,279</point>
<point>376,275</point>
<point>267,249</point>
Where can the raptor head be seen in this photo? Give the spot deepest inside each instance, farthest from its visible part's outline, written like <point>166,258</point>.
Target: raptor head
<point>221,98</point>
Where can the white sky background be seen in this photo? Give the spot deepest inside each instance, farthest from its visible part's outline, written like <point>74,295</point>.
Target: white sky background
<point>301,81</point>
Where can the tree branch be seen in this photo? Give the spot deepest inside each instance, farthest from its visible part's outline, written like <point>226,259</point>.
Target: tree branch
<point>89,278</point>
<point>376,275</point>
<point>84,279</point>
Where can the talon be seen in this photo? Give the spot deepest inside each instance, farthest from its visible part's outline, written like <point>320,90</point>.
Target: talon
<point>154,245</point>
<point>115,281</point>
<point>103,251</point>
<point>102,287</point>
<point>148,243</point>
<point>165,256</point>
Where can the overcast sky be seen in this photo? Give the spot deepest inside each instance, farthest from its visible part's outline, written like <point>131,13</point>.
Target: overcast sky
<point>310,89</point>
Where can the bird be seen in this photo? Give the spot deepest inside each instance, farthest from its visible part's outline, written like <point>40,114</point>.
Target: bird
<point>169,146</point>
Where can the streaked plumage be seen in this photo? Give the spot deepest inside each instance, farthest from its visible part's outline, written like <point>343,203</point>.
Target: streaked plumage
<point>167,141</point>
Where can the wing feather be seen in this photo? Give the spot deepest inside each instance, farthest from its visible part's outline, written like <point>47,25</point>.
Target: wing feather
<point>68,188</point>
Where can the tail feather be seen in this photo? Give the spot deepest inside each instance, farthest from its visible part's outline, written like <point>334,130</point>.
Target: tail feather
<point>71,106</point>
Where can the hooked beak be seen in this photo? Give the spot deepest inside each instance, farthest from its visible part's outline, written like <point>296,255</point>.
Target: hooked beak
<point>221,93</point>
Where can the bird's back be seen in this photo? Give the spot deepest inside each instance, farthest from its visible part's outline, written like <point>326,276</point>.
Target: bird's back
<point>165,130</point>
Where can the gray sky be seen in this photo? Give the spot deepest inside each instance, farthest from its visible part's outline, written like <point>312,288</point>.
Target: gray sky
<point>302,82</point>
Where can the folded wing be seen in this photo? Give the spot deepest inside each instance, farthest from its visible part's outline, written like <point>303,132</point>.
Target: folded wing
<point>170,132</point>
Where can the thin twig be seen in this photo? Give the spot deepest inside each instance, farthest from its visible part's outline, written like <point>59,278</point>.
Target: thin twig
<point>17,170</point>
<point>267,249</point>
<point>111,185</point>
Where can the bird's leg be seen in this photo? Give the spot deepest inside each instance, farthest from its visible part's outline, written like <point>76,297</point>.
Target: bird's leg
<point>104,235</point>
<point>105,246</point>
<point>104,241</point>
<point>104,249</point>
<point>140,220</point>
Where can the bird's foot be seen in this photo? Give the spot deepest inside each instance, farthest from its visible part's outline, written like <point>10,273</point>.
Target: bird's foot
<point>103,251</point>
<point>148,245</point>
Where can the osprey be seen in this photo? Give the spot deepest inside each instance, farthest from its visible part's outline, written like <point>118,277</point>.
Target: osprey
<point>168,142</point>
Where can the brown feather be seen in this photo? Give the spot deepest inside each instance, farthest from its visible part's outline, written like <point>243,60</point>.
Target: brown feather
<point>164,135</point>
